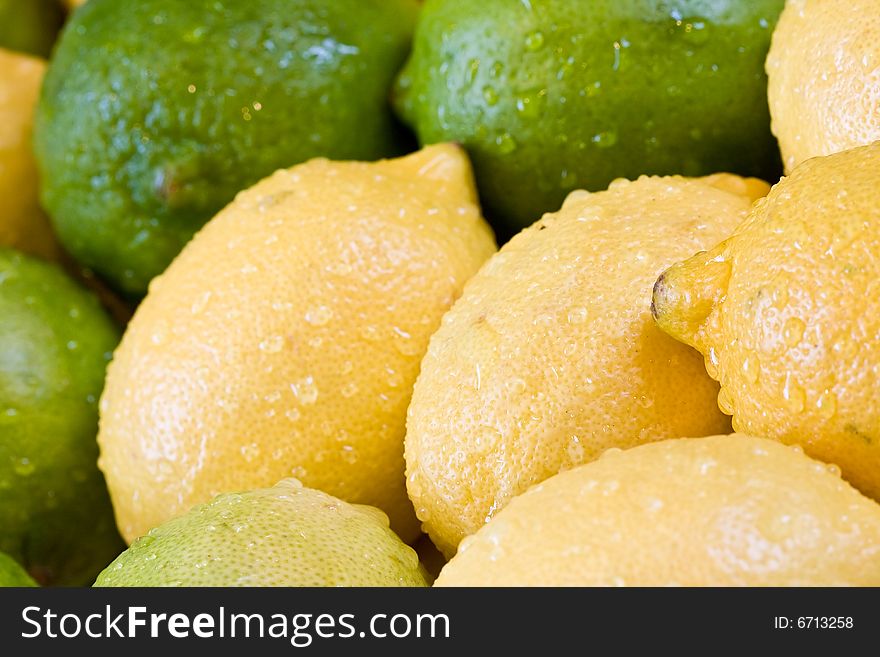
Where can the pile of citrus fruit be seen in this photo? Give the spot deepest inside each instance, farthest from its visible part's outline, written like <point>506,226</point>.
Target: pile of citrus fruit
<point>256,326</point>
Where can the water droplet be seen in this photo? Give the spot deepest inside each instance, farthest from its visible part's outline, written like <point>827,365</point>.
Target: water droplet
<point>793,331</point>
<point>530,106</point>
<point>827,405</point>
<point>605,139</point>
<point>472,70</point>
<point>505,143</point>
<point>725,401</point>
<point>272,344</point>
<point>305,390</point>
<point>593,90</point>
<point>404,343</point>
<point>575,450</point>
<point>293,414</point>
<point>846,349</point>
<point>567,179</point>
<point>319,316</point>
<point>565,69</point>
<point>751,368</point>
<point>349,390</point>
<point>200,303</point>
<point>793,394</point>
<point>609,487</point>
<point>543,319</point>
<point>577,315</point>
<point>370,333</point>
<point>349,454</point>
<point>486,439</point>
<point>534,41</point>
<point>490,96</point>
<point>711,362</point>
<point>833,469</point>
<point>23,467</point>
<point>395,379</point>
<point>250,452</point>
<point>695,31</point>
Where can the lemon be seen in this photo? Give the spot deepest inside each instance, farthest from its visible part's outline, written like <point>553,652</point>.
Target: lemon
<point>286,338</point>
<point>787,314</point>
<point>824,77</point>
<point>551,356</point>
<point>23,224</point>
<point>718,511</point>
<point>286,535</point>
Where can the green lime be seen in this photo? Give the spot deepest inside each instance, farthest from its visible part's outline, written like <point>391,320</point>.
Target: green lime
<point>30,25</point>
<point>550,96</point>
<point>12,574</point>
<point>155,113</point>
<point>286,535</point>
<point>55,342</point>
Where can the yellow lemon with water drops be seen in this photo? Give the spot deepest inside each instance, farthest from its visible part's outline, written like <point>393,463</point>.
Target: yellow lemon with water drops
<point>286,535</point>
<point>23,225</point>
<point>718,511</point>
<point>551,356</point>
<point>824,77</point>
<point>787,314</point>
<point>286,338</point>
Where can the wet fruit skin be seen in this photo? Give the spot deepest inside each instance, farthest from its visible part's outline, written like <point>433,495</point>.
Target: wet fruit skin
<point>549,96</point>
<point>55,342</point>
<point>823,71</point>
<point>287,336</point>
<point>718,511</point>
<point>286,535</point>
<point>154,113</point>
<point>785,313</point>
<point>551,355</point>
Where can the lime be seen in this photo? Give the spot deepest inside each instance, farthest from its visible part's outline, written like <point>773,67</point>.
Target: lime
<point>12,574</point>
<point>155,113</point>
<point>286,535</point>
<point>55,341</point>
<point>549,96</point>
